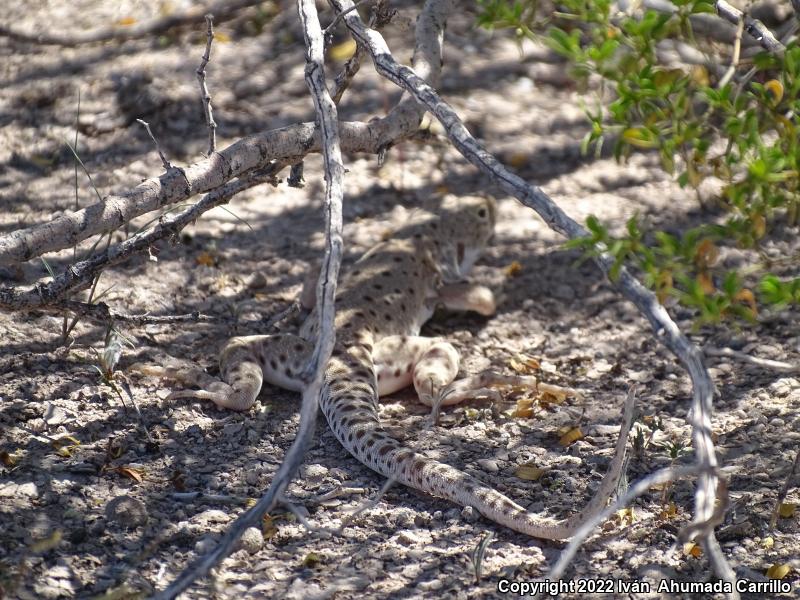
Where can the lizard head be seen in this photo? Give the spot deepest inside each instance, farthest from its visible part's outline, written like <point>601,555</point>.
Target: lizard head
<point>454,235</point>
<point>465,227</point>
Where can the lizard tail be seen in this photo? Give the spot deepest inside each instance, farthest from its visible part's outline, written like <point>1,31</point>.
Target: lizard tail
<point>350,406</point>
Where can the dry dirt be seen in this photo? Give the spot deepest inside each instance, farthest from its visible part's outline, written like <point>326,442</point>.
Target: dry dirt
<point>90,508</point>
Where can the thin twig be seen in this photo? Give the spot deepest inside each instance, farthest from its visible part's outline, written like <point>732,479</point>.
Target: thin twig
<point>314,372</point>
<point>380,16</point>
<point>637,489</point>
<point>204,93</point>
<point>755,28</point>
<point>101,313</point>
<point>207,497</point>
<point>339,16</point>
<point>164,162</point>
<point>784,490</point>
<point>766,363</point>
<point>295,179</point>
<point>290,310</point>
<point>737,46</point>
<point>142,423</point>
<point>367,504</point>
<point>338,492</point>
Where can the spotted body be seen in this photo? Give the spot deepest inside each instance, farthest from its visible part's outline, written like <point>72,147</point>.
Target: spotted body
<point>381,305</point>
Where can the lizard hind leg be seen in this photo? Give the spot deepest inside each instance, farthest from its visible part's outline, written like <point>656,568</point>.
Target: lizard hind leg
<point>246,362</point>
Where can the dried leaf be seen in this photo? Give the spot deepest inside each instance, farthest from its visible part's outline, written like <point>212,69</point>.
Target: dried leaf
<point>699,75</point>
<point>524,408</point>
<point>343,51</point>
<point>514,269</point>
<point>529,472</point>
<point>8,460</point>
<point>126,22</point>
<point>746,296</point>
<point>131,473</point>
<point>570,436</point>
<point>625,516</point>
<point>664,284</point>
<point>670,511</point>
<point>705,283</point>
<point>205,259</point>
<point>42,162</point>
<point>121,592</point>
<point>518,159</point>
<point>471,413</point>
<point>65,445</point>
<point>268,528</point>
<point>706,254</point>
<point>553,394</point>
<point>775,89</point>
<point>178,481</point>
<point>778,571</point>
<point>786,509</point>
<point>524,365</point>
<point>221,37</point>
<point>692,549</point>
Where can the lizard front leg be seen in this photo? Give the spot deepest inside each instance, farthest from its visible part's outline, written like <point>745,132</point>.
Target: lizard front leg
<point>464,296</point>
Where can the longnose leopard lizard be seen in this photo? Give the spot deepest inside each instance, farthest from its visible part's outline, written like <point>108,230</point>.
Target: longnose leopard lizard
<point>381,305</point>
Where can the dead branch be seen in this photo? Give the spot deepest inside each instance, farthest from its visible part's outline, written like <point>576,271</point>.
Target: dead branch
<point>755,28</point>
<point>80,275</point>
<point>102,314</point>
<point>204,93</point>
<point>314,372</point>
<point>380,16</point>
<point>765,363</point>
<point>177,185</point>
<point>164,162</point>
<point>223,10</point>
<point>722,28</point>
<point>664,327</point>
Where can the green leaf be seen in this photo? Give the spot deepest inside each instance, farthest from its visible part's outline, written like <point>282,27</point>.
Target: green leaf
<point>640,137</point>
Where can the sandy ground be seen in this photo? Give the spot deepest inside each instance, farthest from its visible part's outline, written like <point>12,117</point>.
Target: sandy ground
<point>89,507</point>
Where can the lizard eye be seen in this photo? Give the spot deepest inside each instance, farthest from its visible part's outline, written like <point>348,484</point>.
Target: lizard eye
<point>482,213</point>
